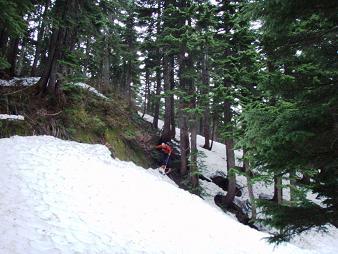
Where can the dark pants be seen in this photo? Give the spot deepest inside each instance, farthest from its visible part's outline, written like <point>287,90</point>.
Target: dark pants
<point>166,160</point>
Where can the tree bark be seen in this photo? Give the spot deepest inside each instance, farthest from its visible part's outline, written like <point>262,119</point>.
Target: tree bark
<point>146,105</point>
<point>157,94</point>
<point>293,186</point>
<point>172,99</point>
<point>158,70</point>
<point>41,33</point>
<point>193,157</point>
<point>63,38</point>
<point>12,55</point>
<point>193,130</point>
<point>3,41</point>
<point>213,132</point>
<point>128,82</point>
<point>252,199</point>
<point>53,54</point>
<point>230,157</point>
<point>21,58</point>
<point>183,115</point>
<point>278,192</point>
<point>166,134</point>
<point>184,139</point>
<point>205,91</point>
<point>105,65</point>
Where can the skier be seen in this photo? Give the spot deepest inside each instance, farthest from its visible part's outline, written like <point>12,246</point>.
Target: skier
<point>165,162</point>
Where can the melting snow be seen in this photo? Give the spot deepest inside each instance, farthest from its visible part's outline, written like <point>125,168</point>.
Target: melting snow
<point>66,197</point>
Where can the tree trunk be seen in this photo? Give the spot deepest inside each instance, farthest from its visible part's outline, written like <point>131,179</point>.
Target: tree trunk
<point>166,135</point>
<point>38,48</point>
<point>21,57</point>
<point>147,92</point>
<point>158,70</point>
<point>12,55</point>
<point>172,99</point>
<point>293,186</point>
<point>157,94</point>
<point>105,65</point>
<point>62,38</point>
<point>87,59</point>
<point>128,83</point>
<point>213,132</point>
<point>184,139</point>
<point>205,92</point>
<point>183,115</point>
<point>129,71</point>
<point>252,199</point>
<point>53,55</point>
<point>278,193</point>
<point>3,41</point>
<point>193,157</point>
<point>230,156</point>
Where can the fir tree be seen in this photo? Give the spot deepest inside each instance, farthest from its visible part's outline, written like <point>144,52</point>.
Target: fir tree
<point>292,130</point>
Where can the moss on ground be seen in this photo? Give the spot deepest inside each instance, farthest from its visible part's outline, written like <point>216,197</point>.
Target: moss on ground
<point>84,117</point>
<point>13,127</point>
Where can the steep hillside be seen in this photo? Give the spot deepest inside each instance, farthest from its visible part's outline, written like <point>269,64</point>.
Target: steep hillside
<point>64,197</point>
<point>84,117</point>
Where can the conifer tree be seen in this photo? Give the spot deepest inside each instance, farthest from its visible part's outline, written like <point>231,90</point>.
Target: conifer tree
<point>13,26</point>
<point>292,130</point>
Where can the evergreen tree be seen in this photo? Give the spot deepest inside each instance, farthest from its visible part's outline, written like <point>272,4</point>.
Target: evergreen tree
<point>292,130</point>
<point>13,27</point>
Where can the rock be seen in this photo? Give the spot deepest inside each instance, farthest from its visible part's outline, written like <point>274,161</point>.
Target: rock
<point>265,196</point>
<point>223,183</point>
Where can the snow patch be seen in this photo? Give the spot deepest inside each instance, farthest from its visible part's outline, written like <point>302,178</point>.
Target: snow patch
<point>90,89</point>
<point>25,81</point>
<point>11,117</point>
<point>29,81</point>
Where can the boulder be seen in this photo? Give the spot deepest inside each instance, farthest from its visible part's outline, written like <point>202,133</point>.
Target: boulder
<point>223,183</point>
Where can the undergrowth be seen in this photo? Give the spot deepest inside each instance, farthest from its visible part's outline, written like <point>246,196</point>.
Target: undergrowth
<point>83,117</point>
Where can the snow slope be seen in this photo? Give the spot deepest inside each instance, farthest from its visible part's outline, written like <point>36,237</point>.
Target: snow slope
<point>66,197</point>
<point>215,160</point>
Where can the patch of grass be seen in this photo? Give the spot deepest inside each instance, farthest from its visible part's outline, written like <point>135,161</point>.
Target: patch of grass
<point>12,127</point>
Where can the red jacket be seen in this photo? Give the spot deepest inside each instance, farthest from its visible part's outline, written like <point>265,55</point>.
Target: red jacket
<point>165,148</point>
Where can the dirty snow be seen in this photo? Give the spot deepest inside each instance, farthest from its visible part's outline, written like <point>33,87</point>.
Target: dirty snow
<point>66,197</point>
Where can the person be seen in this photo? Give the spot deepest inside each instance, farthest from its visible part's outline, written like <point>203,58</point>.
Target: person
<point>166,152</point>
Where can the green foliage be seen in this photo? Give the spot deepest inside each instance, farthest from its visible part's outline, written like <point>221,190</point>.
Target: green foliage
<point>299,222</point>
<point>290,127</point>
<point>9,128</point>
<point>12,13</point>
<point>4,64</point>
<point>279,80</point>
